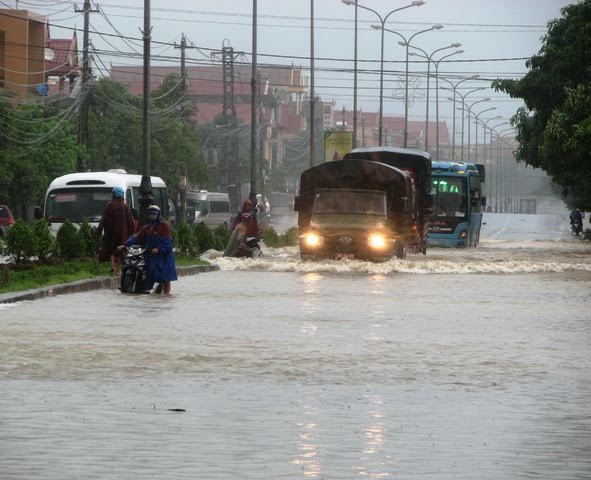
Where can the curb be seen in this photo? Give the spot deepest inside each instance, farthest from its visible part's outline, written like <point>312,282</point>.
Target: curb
<point>90,284</point>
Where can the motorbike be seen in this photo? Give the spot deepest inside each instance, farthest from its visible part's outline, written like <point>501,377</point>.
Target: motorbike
<point>133,271</point>
<point>250,248</point>
<point>576,227</point>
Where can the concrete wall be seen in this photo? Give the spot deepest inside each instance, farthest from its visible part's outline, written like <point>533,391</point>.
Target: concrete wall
<point>24,48</point>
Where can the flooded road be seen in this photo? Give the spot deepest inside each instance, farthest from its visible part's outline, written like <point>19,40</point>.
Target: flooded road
<point>458,365</point>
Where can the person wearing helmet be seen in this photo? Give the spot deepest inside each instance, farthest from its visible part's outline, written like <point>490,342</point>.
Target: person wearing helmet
<point>156,237</point>
<point>239,235</point>
<point>116,226</point>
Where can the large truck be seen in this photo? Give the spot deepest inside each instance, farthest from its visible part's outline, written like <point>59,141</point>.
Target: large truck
<point>417,164</point>
<point>353,209</point>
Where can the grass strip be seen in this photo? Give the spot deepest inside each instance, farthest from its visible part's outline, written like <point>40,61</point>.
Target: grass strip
<point>18,278</point>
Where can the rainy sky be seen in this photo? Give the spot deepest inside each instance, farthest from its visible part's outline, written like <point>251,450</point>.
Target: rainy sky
<point>496,37</point>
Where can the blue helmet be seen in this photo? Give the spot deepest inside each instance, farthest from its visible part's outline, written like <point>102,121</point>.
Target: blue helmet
<point>118,192</point>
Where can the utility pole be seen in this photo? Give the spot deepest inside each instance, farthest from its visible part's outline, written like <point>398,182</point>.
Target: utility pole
<point>253,103</point>
<point>184,177</point>
<point>312,94</point>
<point>146,197</point>
<point>86,73</point>
<point>363,131</point>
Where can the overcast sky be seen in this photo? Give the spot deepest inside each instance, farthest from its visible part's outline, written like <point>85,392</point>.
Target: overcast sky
<point>492,32</point>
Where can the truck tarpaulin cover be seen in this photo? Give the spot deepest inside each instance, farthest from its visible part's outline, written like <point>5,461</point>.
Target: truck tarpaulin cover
<point>355,175</point>
<point>405,159</point>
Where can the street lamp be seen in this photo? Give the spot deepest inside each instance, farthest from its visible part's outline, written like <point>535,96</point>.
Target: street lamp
<point>503,166</point>
<point>383,19</point>
<point>437,62</point>
<point>463,108</point>
<point>429,58</point>
<point>485,126</point>
<point>454,88</point>
<point>497,174</point>
<point>476,129</point>
<point>406,43</point>
<point>487,99</point>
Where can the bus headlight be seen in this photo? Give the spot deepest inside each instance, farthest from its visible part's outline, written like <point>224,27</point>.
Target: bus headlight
<point>377,241</point>
<point>312,240</point>
<point>463,233</point>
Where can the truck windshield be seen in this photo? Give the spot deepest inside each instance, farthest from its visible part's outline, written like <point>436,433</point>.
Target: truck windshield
<point>76,204</point>
<point>449,196</point>
<point>350,202</point>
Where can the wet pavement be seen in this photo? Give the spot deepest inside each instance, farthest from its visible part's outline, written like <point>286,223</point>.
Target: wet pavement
<point>461,364</point>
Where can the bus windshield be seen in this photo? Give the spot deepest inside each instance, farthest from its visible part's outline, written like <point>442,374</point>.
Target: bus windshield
<point>76,204</point>
<point>449,196</point>
<point>350,202</point>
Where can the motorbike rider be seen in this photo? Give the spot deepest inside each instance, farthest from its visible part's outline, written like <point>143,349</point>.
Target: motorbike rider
<point>237,243</point>
<point>247,208</point>
<point>576,217</point>
<point>155,236</point>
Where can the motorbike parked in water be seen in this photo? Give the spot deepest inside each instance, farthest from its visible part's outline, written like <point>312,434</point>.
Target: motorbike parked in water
<point>576,227</point>
<point>133,271</point>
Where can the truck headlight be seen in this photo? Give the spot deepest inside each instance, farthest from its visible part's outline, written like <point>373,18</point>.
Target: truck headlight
<point>377,241</point>
<point>312,240</point>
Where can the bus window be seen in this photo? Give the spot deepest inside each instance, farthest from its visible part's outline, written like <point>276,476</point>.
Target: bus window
<point>219,206</point>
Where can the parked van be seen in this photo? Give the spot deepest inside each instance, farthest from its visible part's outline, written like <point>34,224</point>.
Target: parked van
<point>83,196</point>
<point>211,208</point>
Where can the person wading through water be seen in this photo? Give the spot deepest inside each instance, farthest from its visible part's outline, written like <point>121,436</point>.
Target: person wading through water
<point>155,236</point>
<point>116,226</point>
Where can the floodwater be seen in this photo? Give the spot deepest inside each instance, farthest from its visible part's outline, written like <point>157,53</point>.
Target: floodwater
<point>462,364</point>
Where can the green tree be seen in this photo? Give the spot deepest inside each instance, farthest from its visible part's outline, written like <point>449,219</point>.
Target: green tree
<point>554,127</point>
<point>116,132</point>
<point>40,143</point>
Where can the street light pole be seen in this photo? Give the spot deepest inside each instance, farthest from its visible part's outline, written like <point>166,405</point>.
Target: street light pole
<point>406,43</point>
<point>487,168</point>
<point>476,128</point>
<point>429,58</point>
<point>504,167</point>
<point>454,88</point>
<point>487,99</point>
<point>463,109</point>
<point>437,62</point>
<point>497,170</point>
<point>382,19</point>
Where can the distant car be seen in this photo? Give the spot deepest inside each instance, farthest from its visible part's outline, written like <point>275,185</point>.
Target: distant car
<point>6,220</point>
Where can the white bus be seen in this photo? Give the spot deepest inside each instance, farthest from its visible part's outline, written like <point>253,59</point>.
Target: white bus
<point>83,196</point>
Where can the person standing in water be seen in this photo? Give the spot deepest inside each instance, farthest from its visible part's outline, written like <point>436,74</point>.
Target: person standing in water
<point>116,226</point>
